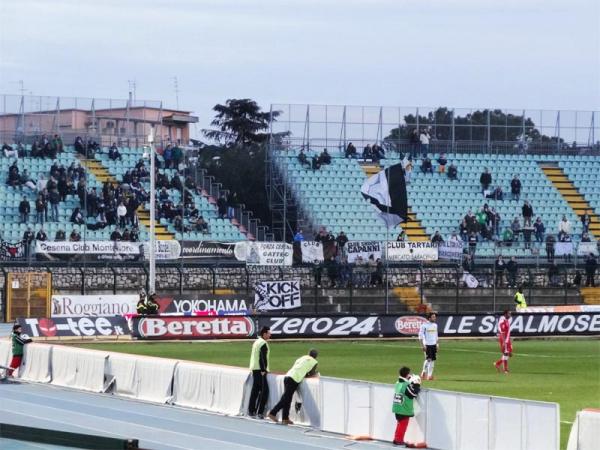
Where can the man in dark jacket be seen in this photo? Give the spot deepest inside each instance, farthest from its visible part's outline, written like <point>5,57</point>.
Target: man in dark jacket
<point>512,269</point>
<point>515,188</point>
<point>485,179</point>
<point>590,269</point>
<point>24,209</point>
<point>259,365</point>
<point>527,211</point>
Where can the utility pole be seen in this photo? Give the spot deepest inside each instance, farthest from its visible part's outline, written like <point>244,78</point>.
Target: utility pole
<point>132,88</point>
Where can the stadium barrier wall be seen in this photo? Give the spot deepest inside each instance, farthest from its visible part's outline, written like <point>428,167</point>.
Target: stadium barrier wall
<point>5,352</point>
<point>445,420</point>
<point>584,433</point>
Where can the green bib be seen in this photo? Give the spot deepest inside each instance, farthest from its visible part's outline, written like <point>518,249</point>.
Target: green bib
<point>255,354</point>
<point>402,404</point>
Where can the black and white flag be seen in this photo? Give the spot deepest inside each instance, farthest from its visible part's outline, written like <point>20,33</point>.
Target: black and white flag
<point>386,190</point>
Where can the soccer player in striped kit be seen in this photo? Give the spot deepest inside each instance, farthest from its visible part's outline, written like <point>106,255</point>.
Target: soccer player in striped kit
<point>504,341</point>
<point>428,335</point>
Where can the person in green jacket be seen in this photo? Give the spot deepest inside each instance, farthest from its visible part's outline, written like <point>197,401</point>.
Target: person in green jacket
<point>259,365</point>
<point>304,367</point>
<point>18,342</point>
<point>406,390</point>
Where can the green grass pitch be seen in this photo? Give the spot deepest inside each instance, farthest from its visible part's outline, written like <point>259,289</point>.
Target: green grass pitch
<point>564,371</point>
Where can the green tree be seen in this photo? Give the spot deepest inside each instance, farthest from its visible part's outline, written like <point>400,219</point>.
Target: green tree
<point>240,122</point>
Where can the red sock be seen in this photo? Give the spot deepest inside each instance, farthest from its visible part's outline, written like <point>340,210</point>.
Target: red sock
<point>401,427</point>
<point>505,365</point>
<point>497,363</point>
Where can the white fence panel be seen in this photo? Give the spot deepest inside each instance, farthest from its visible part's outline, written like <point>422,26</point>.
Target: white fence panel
<point>36,363</point>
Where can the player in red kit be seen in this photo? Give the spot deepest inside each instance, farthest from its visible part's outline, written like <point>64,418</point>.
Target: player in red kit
<point>505,342</point>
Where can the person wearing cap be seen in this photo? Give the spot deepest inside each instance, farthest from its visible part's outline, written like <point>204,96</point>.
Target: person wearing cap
<point>259,365</point>
<point>18,342</point>
<point>152,306</point>
<point>304,367</point>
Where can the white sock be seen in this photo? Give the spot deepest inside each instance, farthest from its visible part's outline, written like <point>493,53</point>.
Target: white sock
<point>425,366</point>
<point>430,369</point>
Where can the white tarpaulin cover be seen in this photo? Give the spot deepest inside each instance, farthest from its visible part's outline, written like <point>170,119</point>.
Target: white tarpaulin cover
<point>584,433</point>
<point>36,363</point>
<point>78,368</point>
<point>154,377</point>
<point>5,352</point>
<point>307,395</point>
<point>120,370</point>
<point>209,387</point>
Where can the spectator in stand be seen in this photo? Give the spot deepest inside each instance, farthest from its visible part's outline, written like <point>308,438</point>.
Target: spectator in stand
<point>341,241</point>
<point>515,226</point>
<point>101,221</point>
<point>332,271</point>
<point>424,140</point>
<point>585,237</point>
<point>303,159</point>
<point>60,235</point>
<point>168,156</point>
<point>350,151</point>
<point>527,231</point>
<point>437,238</point>
<point>499,268</point>
<point>79,145</point>
<point>401,237</point>
<point>317,273</point>
<point>527,211</point>
<point>345,272</point>
<point>376,267</point>
<point>232,201</point>
<point>122,214</point>
<point>378,153</point>
<point>591,264</point>
<point>321,235</point>
<point>177,157</point>
<point>495,219</point>
<point>163,195</point>
<point>512,270</point>
<point>77,217</point>
<point>134,236</point>
<point>554,275</point>
<point>454,239</point>
<point>74,236</point>
<point>325,157</point>
<point>496,194</point>
<point>408,169</point>
<point>471,222</point>
<point>116,235</point>
<point>508,237</point>
<point>27,240</point>
<point>9,152</point>
<point>222,206</point>
<point>468,263</point>
<point>126,235</point>
<point>463,231</point>
<point>550,244</point>
<point>481,218</point>
<point>92,202</point>
<point>41,235</point>
<point>81,192</point>
<point>113,153</point>
<point>515,188</point>
<point>485,180</point>
<point>472,244</point>
<point>452,172</point>
<point>54,199</point>
<point>298,237</point>
<point>564,228</point>
<point>315,163</point>
<point>442,161</point>
<point>367,152</point>
<point>585,221</point>
<point>24,210</point>
<point>539,229</point>
<point>426,166</point>
<point>13,175</point>
<point>40,209</point>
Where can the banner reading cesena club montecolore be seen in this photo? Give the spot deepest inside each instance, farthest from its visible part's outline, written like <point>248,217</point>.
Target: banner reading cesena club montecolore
<point>480,325</point>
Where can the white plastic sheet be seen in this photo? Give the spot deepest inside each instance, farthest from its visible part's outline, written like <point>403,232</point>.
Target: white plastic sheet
<point>473,422</point>
<point>154,378</point>
<point>212,388</point>
<point>36,363</point>
<point>5,352</point>
<point>333,401</point>
<point>120,373</point>
<point>584,433</point>
<point>442,422</point>
<point>307,395</point>
<point>507,424</point>
<point>78,368</point>
<point>358,408</point>
<point>540,434</point>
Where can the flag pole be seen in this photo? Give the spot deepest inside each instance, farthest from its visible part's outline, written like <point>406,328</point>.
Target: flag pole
<point>387,240</point>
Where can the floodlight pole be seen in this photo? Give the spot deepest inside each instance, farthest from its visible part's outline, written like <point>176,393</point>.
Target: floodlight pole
<point>151,250</point>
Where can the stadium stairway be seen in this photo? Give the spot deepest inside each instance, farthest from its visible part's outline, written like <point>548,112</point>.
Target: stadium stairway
<point>413,228</point>
<point>102,174</point>
<point>571,194</point>
<point>411,297</point>
<point>590,295</point>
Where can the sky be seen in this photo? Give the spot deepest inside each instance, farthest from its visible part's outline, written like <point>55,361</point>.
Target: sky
<point>522,54</point>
